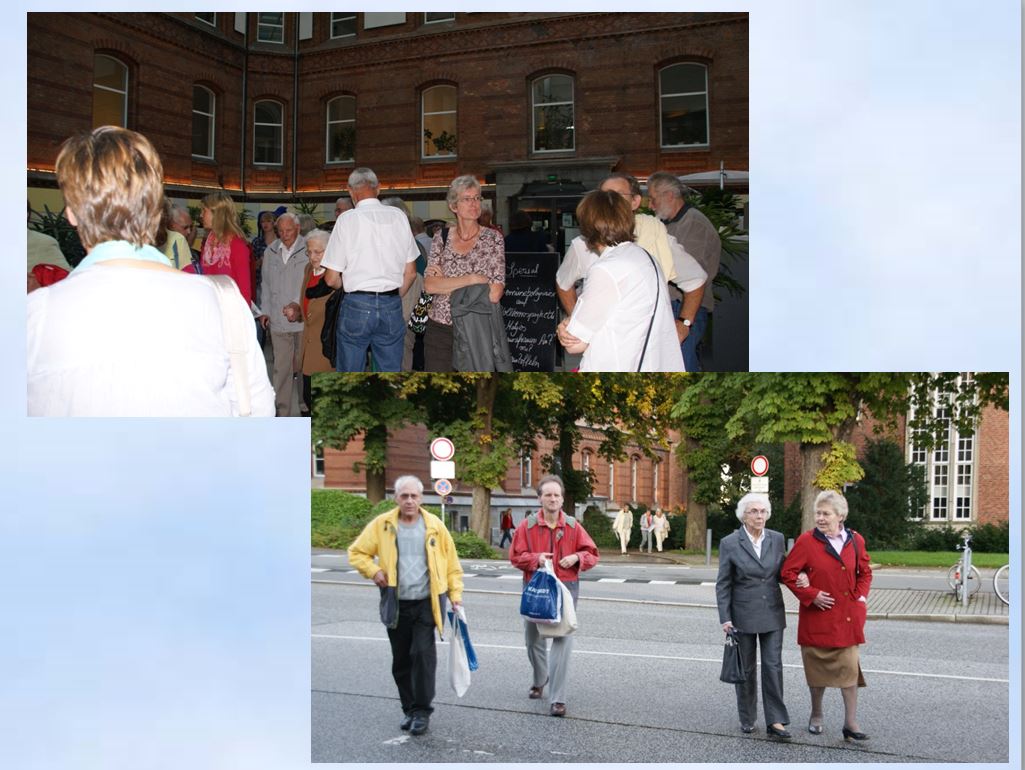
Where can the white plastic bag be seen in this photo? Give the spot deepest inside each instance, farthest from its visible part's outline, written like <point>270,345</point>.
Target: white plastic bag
<point>568,622</point>
<point>458,661</point>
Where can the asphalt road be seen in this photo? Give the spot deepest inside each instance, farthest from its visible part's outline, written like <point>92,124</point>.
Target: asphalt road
<point>644,688</point>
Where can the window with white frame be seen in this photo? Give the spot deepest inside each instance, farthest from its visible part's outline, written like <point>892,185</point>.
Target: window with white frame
<point>438,121</point>
<point>654,472</point>
<point>949,470</point>
<point>683,105</point>
<point>343,25</point>
<point>110,92</point>
<point>434,18</point>
<point>267,132</point>
<point>318,459</point>
<point>208,18</point>
<point>552,114</point>
<point>612,481</point>
<point>634,463</point>
<point>204,111</point>
<point>585,460</point>
<point>270,27</point>
<point>526,472</point>
<point>341,129</point>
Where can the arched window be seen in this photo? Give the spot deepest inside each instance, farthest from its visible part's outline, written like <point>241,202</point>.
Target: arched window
<point>612,481</point>
<point>585,461</point>
<point>438,121</point>
<point>267,133</point>
<point>655,468</point>
<point>683,105</point>
<point>204,113</point>
<point>318,459</point>
<point>526,472</point>
<point>110,92</point>
<point>552,110</point>
<point>341,129</point>
<point>634,462</point>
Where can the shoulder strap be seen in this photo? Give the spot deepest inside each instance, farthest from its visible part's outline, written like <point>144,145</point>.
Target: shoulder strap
<point>236,330</point>
<point>444,235</point>
<point>653,312</point>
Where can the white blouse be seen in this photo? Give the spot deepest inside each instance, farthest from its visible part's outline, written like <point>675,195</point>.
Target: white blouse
<point>112,341</point>
<point>614,310</point>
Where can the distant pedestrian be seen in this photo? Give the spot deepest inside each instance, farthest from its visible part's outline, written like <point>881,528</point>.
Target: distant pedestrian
<point>551,535</point>
<point>623,525</point>
<point>659,528</point>
<point>831,620</point>
<point>647,525</point>
<point>507,527</point>
<point>417,560</point>
<point>750,602</point>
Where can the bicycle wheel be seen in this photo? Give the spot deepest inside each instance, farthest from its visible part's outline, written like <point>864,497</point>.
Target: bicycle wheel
<point>953,576</point>
<point>974,581</point>
<point>1001,585</point>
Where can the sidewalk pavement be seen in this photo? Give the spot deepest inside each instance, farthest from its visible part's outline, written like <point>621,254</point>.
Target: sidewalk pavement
<point>883,603</point>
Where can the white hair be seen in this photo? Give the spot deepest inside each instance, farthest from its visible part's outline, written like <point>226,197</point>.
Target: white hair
<point>834,500</point>
<point>289,215</point>
<point>753,497</point>
<point>363,177</point>
<point>318,236</point>
<point>403,481</point>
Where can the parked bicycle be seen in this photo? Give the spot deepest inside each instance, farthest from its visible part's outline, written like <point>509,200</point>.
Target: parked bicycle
<point>963,578</point>
<point>1001,584</point>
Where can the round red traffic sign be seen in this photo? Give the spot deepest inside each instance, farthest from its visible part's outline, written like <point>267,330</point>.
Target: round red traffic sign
<point>442,487</point>
<point>760,465</point>
<point>442,449</point>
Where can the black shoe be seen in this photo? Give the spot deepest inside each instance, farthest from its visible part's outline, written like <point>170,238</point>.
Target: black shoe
<point>419,725</point>
<point>406,723</point>
<point>778,733</point>
<point>747,729</point>
<point>853,735</point>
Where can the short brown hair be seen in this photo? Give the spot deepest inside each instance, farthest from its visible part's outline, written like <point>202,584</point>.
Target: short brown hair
<point>551,478</point>
<point>113,181</point>
<point>605,219</point>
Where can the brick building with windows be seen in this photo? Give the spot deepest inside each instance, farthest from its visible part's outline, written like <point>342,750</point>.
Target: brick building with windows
<point>282,106</point>
<point>635,479</point>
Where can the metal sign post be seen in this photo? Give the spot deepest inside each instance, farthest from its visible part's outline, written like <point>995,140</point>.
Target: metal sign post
<point>443,469</point>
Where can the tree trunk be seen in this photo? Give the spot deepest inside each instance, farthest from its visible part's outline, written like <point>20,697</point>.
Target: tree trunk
<point>811,464</point>
<point>375,444</point>
<point>697,522</point>
<point>375,486</point>
<point>480,514</point>
<point>566,465</point>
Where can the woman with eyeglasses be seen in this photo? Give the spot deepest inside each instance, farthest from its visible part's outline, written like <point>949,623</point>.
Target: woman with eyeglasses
<point>463,256</point>
<point>750,603</point>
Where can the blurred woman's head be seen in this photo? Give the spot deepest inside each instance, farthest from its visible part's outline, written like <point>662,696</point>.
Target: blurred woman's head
<point>464,197</point>
<point>316,244</point>
<point>605,219</point>
<point>113,184</point>
<point>220,216</point>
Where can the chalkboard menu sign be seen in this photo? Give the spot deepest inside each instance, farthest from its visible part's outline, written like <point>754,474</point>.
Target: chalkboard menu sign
<point>531,310</point>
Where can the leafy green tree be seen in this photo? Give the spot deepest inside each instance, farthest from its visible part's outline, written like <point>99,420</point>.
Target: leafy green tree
<point>885,502</point>
<point>347,405</point>
<point>820,411</point>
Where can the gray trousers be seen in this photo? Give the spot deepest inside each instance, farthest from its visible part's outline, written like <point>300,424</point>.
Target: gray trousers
<point>286,346</point>
<point>772,679</point>
<point>645,540</point>
<point>555,671</point>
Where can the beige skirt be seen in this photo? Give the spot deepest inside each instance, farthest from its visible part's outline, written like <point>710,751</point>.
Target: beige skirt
<point>832,666</point>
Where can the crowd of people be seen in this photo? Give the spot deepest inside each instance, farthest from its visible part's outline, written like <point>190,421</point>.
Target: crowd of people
<point>383,293</point>
<point>827,570</point>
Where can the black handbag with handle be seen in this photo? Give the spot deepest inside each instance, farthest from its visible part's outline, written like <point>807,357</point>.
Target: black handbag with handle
<point>732,665</point>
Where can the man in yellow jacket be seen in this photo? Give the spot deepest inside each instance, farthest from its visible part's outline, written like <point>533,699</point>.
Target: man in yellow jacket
<point>416,564</point>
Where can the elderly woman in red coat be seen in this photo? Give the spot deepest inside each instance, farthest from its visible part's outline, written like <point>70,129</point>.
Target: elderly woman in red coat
<point>831,623</point>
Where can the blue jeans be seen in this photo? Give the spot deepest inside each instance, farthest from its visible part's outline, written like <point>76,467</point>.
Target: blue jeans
<point>374,322</point>
<point>689,347</point>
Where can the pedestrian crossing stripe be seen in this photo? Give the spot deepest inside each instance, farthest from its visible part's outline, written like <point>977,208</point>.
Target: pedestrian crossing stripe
<point>611,580</point>
<point>319,569</point>
<point>583,578</point>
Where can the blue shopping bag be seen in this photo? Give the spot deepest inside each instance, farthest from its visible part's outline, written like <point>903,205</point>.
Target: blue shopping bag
<point>541,600</point>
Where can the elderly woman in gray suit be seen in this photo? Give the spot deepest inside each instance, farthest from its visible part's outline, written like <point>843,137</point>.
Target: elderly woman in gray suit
<point>750,602</point>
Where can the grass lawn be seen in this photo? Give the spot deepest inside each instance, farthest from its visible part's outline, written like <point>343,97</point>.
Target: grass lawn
<point>935,558</point>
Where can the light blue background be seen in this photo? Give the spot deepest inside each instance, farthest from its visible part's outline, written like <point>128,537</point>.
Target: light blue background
<point>155,591</point>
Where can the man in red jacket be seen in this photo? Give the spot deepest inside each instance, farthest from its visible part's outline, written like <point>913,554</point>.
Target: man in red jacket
<point>551,535</point>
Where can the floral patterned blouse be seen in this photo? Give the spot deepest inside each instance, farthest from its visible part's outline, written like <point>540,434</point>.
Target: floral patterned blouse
<point>487,257</point>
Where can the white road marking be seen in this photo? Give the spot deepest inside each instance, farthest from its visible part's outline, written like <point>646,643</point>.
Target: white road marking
<point>319,569</point>
<point>684,658</point>
<point>328,555</point>
<point>707,583</point>
<point>396,741</point>
<point>510,577</point>
<point>662,582</point>
<point>611,580</point>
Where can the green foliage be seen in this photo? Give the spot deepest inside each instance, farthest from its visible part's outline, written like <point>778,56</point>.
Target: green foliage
<point>470,545</point>
<point>56,225</point>
<point>723,211</point>
<point>944,538</point>
<point>243,222</point>
<point>939,559</point>
<point>444,143</point>
<point>336,518</point>
<point>722,521</point>
<point>599,527</point>
<point>992,538</point>
<point>839,467</point>
<point>196,212</point>
<point>677,531</point>
<point>306,207</point>
<point>891,494</point>
<point>787,518</point>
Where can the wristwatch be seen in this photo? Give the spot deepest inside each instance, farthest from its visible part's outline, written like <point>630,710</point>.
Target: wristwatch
<point>686,322</point>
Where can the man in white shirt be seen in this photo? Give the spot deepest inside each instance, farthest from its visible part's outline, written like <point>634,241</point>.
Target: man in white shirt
<point>284,264</point>
<point>372,255</point>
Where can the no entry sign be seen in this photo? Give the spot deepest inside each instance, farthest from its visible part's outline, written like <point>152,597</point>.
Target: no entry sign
<point>442,449</point>
<point>760,465</point>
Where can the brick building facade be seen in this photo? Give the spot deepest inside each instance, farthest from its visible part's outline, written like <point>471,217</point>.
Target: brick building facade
<point>268,106</point>
<point>968,479</point>
<point>635,479</point>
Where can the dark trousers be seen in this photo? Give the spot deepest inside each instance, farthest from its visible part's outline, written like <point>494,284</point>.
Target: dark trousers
<point>437,347</point>
<point>506,535</point>
<point>772,679</point>
<point>414,657</point>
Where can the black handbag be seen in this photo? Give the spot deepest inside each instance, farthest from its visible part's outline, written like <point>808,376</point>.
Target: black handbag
<point>732,666</point>
<point>327,333</point>
<point>390,606</point>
